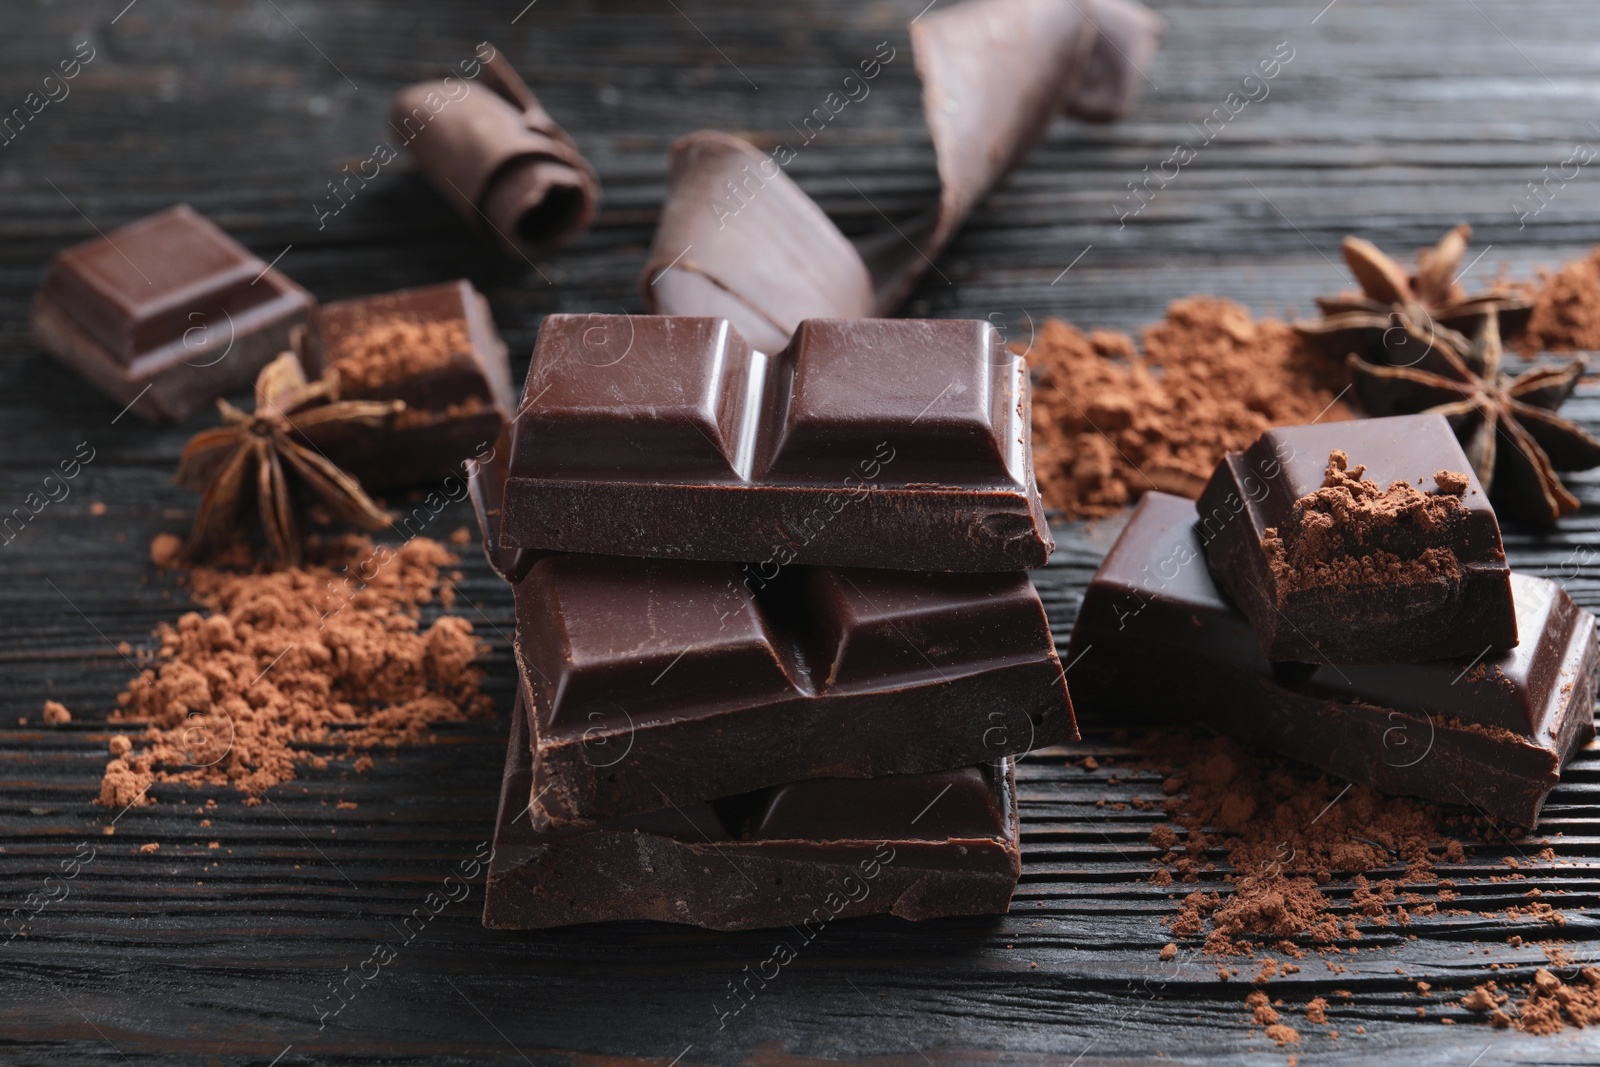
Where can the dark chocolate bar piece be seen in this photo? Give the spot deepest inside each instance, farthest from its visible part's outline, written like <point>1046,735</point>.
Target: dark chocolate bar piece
<point>665,682</point>
<point>1342,566</point>
<point>436,349</point>
<point>166,314</point>
<point>919,846</point>
<point>497,156</point>
<point>896,443</point>
<point>1155,642</point>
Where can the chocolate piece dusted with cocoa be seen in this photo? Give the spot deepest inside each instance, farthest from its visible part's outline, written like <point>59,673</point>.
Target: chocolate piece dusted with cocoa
<point>898,443</point>
<point>436,349</point>
<point>1155,641</point>
<point>1395,560</point>
<point>166,314</point>
<point>497,156</point>
<point>668,682</point>
<point>919,846</point>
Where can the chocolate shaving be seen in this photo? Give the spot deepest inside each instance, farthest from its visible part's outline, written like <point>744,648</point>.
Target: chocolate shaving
<point>499,158</point>
<point>739,239</point>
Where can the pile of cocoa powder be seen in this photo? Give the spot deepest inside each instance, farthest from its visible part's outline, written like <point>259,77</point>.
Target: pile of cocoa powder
<point>284,659</point>
<point>1112,420</point>
<point>1566,309</point>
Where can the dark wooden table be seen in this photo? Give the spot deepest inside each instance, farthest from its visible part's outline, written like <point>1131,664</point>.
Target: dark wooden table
<point>1392,120</point>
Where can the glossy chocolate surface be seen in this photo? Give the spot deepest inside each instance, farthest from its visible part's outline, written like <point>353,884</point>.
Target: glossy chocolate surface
<point>917,846</point>
<point>1156,642</point>
<point>171,303</point>
<point>887,443</point>
<point>657,682</point>
<point>1390,622</point>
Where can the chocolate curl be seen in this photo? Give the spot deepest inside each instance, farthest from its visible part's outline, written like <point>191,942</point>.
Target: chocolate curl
<point>739,239</point>
<point>499,158</point>
<point>1124,47</point>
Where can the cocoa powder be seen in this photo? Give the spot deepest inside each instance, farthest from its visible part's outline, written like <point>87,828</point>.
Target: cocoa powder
<point>1350,532</point>
<point>282,660</point>
<point>1111,422</point>
<point>1286,836</point>
<point>389,350</point>
<point>1566,309</point>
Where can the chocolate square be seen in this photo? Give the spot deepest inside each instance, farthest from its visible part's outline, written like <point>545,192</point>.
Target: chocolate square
<point>640,397</point>
<point>1428,581</point>
<point>435,348</point>
<point>166,314</point>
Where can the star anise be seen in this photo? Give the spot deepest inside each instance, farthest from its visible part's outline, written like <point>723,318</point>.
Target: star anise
<point>1507,426</point>
<point>271,462</point>
<point>1430,298</point>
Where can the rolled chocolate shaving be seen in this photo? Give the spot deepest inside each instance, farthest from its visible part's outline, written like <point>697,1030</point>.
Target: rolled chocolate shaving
<point>499,158</point>
<point>774,261</point>
<point>1125,44</point>
<point>738,238</point>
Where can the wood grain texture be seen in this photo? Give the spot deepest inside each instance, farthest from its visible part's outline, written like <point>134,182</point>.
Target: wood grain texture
<point>1393,121</point>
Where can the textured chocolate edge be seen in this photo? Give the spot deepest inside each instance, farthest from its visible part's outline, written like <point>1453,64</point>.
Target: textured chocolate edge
<point>904,727</point>
<point>173,390</point>
<point>971,529</point>
<point>538,881</point>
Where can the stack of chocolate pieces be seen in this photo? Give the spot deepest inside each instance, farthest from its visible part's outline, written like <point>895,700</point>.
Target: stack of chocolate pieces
<point>776,640</point>
<point>1340,595</point>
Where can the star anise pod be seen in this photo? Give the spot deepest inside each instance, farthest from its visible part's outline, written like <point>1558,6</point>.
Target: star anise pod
<point>1507,426</point>
<point>1430,299</point>
<point>271,462</point>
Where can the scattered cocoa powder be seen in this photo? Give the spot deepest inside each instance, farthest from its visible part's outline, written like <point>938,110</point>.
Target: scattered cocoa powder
<point>1283,1034</point>
<point>1547,1004</point>
<point>1317,1011</point>
<point>1110,422</point>
<point>387,350</point>
<point>1566,309</point>
<point>56,713</point>
<point>1285,837</point>
<point>1262,1011</point>
<point>283,659</point>
<point>166,550</point>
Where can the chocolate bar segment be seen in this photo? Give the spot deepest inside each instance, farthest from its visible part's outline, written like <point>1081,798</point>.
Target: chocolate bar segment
<point>801,855</point>
<point>435,348</point>
<point>1343,566</point>
<point>666,682</point>
<point>166,314</point>
<point>1155,642</point>
<point>873,443</point>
